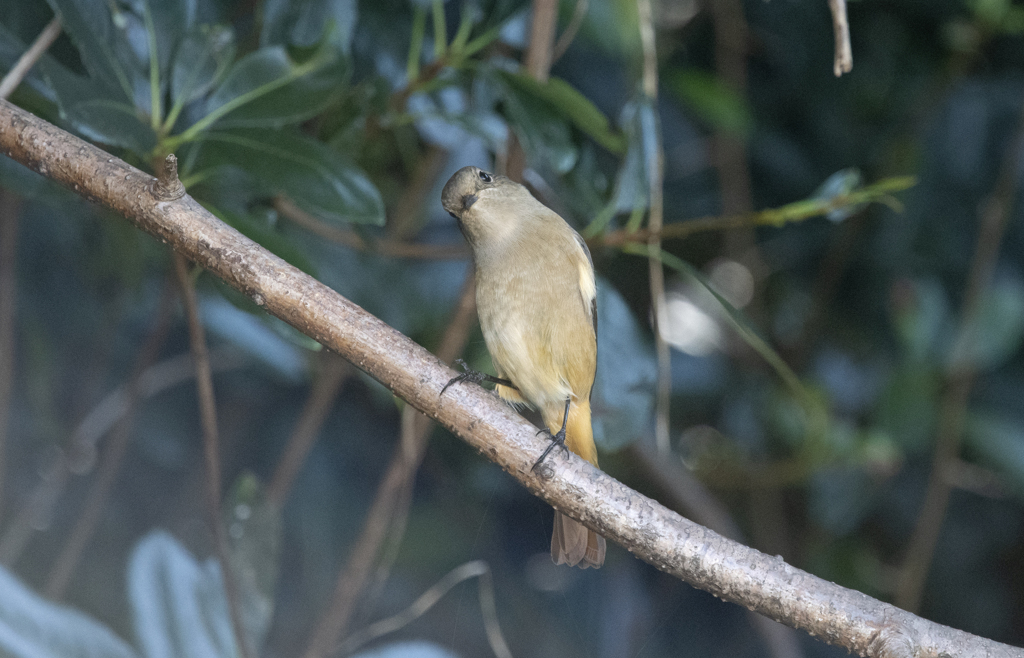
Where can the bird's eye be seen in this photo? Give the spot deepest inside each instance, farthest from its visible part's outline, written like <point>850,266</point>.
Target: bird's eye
<point>485,177</point>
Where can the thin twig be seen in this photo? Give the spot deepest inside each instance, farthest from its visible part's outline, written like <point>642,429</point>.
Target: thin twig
<point>994,215</point>
<point>843,60</point>
<point>30,57</point>
<point>333,374</point>
<point>427,600</point>
<point>385,247</point>
<point>10,211</point>
<point>564,41</point>
<point>675,230</point>
<point>66,563</point>
<point>656,274</point>
<point>211,449</point>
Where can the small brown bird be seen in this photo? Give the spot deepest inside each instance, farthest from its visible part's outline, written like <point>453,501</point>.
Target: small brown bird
<point>536,298</point>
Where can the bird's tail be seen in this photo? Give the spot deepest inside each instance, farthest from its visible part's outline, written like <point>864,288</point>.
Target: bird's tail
<point>572,542</point>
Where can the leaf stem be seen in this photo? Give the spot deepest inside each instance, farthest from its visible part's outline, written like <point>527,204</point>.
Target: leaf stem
<point>199,126</point>
<point>155,101</point>
<point>419,26</point>
<point>440,30</point>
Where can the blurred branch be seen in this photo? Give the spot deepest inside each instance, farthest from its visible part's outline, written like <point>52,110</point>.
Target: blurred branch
<point>402,221</point>
<point>385,247</point>
<point>10,207</point>
<point>564,41</point>
<point>353,577</point>
<point>211,447</point>
<point>334,371</point>
<point>843,60</point>
<point>730,149</point>
<point>655,167</point>
<point>387,514</point>
<point>542,39</point>
<point>66,563</point>
<point>34,513</point>
<point>453,343</point>
<point>10,211</point>
<point>878,192</point>
<point>673,544</point>
<point>28,59</point>
<point>994,215</point>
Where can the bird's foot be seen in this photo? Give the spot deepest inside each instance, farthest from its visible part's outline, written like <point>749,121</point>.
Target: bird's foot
<point>475,376</point>
<point>557,441</point>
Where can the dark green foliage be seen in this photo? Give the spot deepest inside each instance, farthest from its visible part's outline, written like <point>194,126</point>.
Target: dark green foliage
<point>810,411</point>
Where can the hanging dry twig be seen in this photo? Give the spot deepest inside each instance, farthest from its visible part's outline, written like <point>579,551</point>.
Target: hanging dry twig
<point>843,61</point>
<point>677,546</point>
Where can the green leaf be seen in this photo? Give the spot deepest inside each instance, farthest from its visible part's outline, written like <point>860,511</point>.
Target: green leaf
<point>997,329</point>
<point>266,89</point>
<point>11,50</point>
<point>201,61</point>
<point>318,179</point>
<point>999,443</point>
<point>908,406</point>
<point>303,23</point>
<point>254,527</point>
<point>717,104</point>
<point>32,627</point>
<point>103,44</point>
<point>627,372</point>
<point>94,113</point>
<point>542,130</point>
<point>178,603</point>
<point>570,103</point>
<point>172,20</point>
<point>631,183</point>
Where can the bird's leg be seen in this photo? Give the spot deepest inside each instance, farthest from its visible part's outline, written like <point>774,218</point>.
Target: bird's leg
<point>557,439</point>
<point>476,377</point>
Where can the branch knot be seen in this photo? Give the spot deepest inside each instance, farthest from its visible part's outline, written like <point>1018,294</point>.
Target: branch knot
<point>893,641</point>
<point>166,186</point>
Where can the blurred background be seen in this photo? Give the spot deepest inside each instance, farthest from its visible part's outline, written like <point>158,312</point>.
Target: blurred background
<point>842,389</point>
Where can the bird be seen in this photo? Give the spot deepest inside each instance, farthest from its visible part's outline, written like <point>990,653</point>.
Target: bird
<point>536,297</point>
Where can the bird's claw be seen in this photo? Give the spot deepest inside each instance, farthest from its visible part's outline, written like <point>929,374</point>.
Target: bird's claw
<point>470,375</point>
<point>557,441</point>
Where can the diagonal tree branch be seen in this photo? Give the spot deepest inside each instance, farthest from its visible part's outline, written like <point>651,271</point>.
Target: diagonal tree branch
<point>675,545</point>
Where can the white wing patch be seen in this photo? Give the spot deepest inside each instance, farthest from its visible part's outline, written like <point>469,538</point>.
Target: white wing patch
<point>588,285</point>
